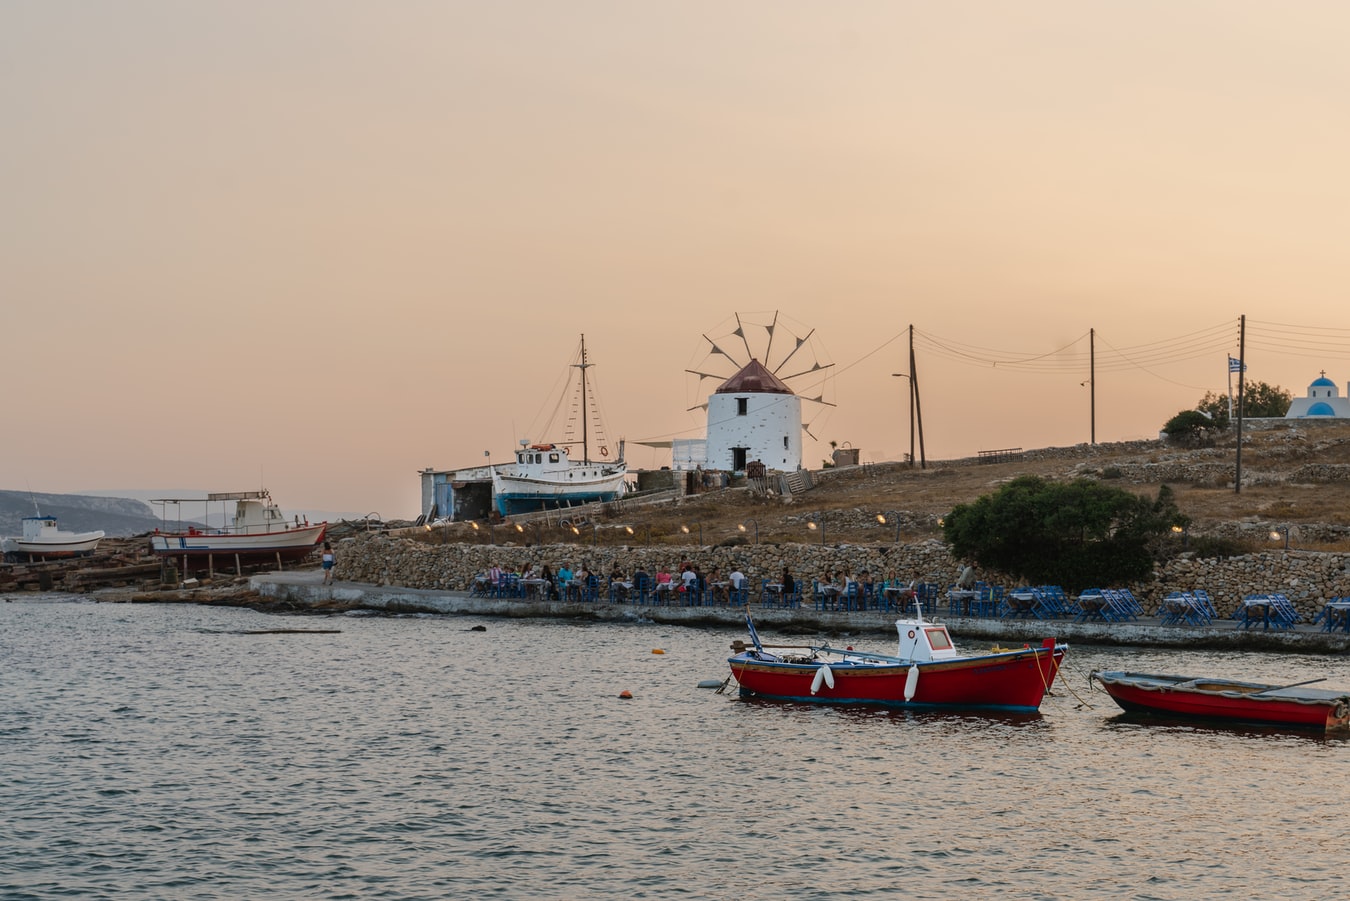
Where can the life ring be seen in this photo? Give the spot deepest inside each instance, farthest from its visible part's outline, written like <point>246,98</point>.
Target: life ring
<point>911,633</point>
<point>604,451</point>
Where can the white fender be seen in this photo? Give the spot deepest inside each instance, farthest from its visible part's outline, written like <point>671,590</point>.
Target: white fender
<point>823,677</point>
<point>912,682</point>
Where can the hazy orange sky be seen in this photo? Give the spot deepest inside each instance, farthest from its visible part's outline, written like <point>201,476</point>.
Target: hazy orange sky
<point>322,245</point>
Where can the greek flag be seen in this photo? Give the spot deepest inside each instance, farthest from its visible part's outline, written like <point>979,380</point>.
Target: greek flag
<point>1236,365</point>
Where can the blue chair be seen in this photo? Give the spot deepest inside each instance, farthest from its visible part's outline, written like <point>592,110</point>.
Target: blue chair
<point>767,598</point>
<point>740,597</point>
<point>1202,598</point>
<point>1283,610</point>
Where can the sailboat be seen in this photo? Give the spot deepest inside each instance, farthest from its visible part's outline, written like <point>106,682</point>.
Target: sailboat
<point>544,475</point>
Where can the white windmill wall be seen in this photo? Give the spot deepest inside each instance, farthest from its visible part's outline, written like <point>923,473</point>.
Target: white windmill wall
<point>770,427</point>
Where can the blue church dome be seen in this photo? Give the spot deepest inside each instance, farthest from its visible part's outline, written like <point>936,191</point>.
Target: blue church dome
<point>1320,409</point>
<point>1323,382</point>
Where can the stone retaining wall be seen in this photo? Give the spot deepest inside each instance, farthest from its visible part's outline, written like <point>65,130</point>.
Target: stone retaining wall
<point>1307,578</point>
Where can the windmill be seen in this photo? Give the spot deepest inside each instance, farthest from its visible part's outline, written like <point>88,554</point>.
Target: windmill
<point>788,350</point>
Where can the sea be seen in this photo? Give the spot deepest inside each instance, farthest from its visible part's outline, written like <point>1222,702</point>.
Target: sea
<point>156,751</point>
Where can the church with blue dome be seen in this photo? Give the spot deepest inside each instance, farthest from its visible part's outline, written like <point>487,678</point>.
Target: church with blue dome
<point>1324,401</point>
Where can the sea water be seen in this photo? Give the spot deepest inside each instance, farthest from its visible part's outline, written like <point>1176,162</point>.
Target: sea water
<point>183,752</point>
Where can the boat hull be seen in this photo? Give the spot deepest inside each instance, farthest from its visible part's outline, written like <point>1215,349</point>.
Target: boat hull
<point>1012,681</point>
<point>73,544</point>
<point>514,495</point>
<point>1222,700</point>
<point>199,545</point>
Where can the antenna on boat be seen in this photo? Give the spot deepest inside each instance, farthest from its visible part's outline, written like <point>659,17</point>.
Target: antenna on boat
<point>33,498</point>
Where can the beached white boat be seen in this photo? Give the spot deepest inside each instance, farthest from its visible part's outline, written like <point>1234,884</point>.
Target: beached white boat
<point>259,532</point>
<point>545,477</point>
<point>42,538</point>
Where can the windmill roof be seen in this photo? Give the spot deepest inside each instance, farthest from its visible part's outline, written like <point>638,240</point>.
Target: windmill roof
<point>753,377</point>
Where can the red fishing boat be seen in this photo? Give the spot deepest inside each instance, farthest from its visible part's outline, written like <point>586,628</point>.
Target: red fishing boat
<point>1294,706</point>
<point>926,671</point>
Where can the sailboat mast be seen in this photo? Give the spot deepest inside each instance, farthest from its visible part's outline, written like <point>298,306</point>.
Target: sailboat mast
<point>585,445</point>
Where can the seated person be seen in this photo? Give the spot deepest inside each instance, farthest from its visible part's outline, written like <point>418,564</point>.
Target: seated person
<point>713,579</point>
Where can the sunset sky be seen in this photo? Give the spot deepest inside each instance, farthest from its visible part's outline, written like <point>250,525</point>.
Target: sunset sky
<point>318,246</point>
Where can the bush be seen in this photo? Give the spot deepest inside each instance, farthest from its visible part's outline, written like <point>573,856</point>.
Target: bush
<point>1075,534</point>
<point>1210,546</point>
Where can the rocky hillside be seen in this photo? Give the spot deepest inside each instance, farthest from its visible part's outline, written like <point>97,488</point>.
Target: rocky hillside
<point>1296,475</point>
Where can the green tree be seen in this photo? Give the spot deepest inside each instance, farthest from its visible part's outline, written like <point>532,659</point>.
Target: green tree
<point>1260,399</point>
<point>1216,407</point>
<point>1192,428</point>
<point>1077,534</point>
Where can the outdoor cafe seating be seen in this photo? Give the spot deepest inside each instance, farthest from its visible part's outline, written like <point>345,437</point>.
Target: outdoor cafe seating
<point>1037,602</point>
<point>1183,608</point>
<point>1335,616</point>
<point>1271,611</point>
<point>1109,605</point>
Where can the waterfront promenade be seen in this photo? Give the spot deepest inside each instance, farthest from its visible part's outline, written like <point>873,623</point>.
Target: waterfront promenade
<point>305,589</point>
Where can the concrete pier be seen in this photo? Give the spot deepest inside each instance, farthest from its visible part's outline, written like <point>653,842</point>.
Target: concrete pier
<point>307,589</point>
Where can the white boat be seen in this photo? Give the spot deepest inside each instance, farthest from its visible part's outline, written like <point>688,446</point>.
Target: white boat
<point>545,477</point>
<point>41,538</point>
<point>258,532</point>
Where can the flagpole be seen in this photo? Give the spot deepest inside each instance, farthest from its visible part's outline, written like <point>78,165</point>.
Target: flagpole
<point>1230,387</point>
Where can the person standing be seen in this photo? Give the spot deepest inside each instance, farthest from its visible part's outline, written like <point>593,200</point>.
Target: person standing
<point>329,561</point>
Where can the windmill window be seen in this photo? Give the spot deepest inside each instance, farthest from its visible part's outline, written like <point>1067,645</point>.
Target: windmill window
<point>742,406</point>
<point>785,442</point>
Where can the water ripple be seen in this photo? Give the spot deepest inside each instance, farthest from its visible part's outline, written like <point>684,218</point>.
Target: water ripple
<point>166,752</point>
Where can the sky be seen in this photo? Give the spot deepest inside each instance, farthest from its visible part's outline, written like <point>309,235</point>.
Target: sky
<point>318,246</point>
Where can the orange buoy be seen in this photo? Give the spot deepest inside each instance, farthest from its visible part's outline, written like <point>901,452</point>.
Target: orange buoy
<point>626,694</point>
<point>657,651</point>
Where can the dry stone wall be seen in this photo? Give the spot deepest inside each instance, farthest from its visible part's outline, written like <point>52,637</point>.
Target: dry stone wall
<point>1308,578</point>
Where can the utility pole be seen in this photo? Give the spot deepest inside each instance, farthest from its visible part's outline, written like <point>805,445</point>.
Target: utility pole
<point>1092,379</point>
<point>1242,380</point>
<point>918,403</point>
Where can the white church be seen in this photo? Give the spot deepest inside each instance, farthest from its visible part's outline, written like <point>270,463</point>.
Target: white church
<point>1324,401</point>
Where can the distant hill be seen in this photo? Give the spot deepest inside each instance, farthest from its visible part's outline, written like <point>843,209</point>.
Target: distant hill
<point>118,516</point>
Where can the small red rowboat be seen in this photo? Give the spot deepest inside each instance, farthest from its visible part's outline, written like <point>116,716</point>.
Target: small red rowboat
<point>1293,706</point>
